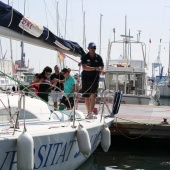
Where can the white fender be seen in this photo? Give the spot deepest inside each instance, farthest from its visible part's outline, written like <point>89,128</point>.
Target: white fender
<point>25,152</point>
<point>83,140</point>
<point>105,138</point>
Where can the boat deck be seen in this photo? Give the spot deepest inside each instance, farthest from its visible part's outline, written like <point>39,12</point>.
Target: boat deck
<point>142,120</point>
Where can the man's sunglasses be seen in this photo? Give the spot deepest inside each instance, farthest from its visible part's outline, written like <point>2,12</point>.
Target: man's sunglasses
<point>93,47</point>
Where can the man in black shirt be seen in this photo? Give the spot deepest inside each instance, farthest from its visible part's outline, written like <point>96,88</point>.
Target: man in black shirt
<point>56,92</point>
<point>93,65</point>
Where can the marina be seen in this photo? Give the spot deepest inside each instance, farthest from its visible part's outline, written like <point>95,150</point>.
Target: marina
<point>129,128</point>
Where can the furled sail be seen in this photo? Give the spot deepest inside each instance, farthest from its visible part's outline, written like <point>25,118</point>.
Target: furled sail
<point>16,26</point>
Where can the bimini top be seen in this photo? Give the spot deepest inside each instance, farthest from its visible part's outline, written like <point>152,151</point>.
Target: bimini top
<point>16,26</point>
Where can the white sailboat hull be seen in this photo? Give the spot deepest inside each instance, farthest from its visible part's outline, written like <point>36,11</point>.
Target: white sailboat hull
<point>55,142</point>
<point>58,150</point>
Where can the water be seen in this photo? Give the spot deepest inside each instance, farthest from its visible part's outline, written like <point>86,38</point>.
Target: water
<point>165,101</point>
<point>128,154</point>
<point>132,154</point>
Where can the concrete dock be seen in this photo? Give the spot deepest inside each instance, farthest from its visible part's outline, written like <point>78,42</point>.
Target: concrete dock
<point>142,120</point>
<point>134,121</point>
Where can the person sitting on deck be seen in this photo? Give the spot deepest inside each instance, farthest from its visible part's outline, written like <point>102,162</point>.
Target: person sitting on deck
<point>69,88</point>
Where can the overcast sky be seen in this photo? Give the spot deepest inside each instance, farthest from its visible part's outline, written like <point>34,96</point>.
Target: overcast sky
<point>152,17</point>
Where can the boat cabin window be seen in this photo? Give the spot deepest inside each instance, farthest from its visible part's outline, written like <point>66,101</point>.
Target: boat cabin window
<point>127,83</point>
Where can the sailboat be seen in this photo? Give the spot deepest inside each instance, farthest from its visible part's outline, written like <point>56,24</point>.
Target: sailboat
<point>33,135</point>
<point>164,83</point>
<point>127,74</point>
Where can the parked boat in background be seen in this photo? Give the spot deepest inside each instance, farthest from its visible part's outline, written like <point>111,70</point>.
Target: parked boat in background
<point>164,87</point>
<point>7,67</point>
<point>128,74</point>
<point>163,82</point>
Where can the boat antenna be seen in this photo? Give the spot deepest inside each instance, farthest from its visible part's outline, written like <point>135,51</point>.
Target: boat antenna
<point>126,40</point>
<point>114,33</point>
<point>139,33</point>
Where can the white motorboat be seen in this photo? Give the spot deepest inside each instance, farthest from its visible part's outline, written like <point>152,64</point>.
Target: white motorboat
<point>127,73</point>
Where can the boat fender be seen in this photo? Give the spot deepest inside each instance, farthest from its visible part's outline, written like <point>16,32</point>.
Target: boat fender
<point>105,138</point>
<point>25,152</point>
<point>116,102</point>
<point>83,140</point>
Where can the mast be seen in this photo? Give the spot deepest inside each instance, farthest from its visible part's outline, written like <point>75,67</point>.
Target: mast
<point>84,34</point>
<point>169,57</point>
<point>100,33</point>
<point>66,20</point>
<point>57,18</point>
<point>126,40</point>
<point>11,50</point>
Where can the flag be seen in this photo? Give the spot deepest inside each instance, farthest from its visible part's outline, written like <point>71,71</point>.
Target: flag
<point>61,56</point>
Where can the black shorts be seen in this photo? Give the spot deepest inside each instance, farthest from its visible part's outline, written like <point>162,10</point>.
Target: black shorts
<point>89,87</point>
<point>71,100</point>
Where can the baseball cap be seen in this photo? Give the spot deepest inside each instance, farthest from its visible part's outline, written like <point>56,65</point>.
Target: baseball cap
<point>91,44</point>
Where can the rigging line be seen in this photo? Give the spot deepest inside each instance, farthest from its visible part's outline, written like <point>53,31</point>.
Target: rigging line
<point>55,4</point>
<point>50,12</point>
<point>55,21</point>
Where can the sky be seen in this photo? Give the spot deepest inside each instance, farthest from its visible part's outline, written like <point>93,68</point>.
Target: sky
<point>151,17</point>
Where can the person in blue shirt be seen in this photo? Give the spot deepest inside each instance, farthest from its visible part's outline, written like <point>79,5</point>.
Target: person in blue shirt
<point>69,88</point>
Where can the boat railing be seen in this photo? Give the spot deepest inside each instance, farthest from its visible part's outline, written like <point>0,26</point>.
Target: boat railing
<point>126,63</point>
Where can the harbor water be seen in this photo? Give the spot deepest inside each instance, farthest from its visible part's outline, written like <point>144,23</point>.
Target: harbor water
<point>132,154</point>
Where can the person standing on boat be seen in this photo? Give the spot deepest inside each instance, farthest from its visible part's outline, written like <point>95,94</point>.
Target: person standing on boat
<point>69,88</point>
<point>92,65</point>
<point>44,86</point>
<point>56,92</point>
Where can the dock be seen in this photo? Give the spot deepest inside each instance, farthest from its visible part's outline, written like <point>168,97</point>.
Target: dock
<point>134,121</point>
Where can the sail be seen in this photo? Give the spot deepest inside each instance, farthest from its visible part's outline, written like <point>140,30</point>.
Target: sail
<point>16,26</point>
